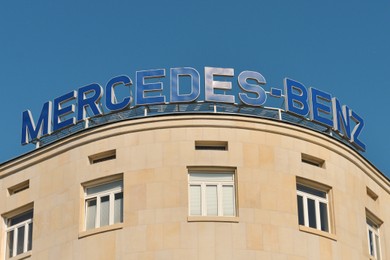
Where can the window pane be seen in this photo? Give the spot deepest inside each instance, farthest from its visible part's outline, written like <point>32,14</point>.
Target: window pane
<point>20,218</point>
<point>20,242</point>
<point>91,214</point>
<point>104,187</point>
<point>378,251</point>
<point>301,219</point>
<point>211,200</point>
<point>324,217</point>
<point>371,242</point>
<point>104,210</point>
<point>228,200</point>
<point>195,200</point>
<point>311,191</point>
<point>312,213</point>
<point>30,232</point>
<point>10,243</point>
<point>370,223</point>
<point>118,208</point>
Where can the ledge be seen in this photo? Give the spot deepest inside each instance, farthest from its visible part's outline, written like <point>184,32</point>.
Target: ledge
<point>212,219</point>
<point>100,230</point>
<point>21,256</point>
<point>317,232</point>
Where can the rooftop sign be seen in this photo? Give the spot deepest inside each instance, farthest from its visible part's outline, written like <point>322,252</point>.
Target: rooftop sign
<point>185,87</point>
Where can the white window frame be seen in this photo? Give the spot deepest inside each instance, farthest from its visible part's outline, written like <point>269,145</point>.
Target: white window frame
<point>219,184</point>
<point>374,228</point>
<point>317,200</point>
<point>15,228</point>
<point>97,196</point>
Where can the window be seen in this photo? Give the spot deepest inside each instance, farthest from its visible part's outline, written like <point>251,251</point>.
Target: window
<point>311,160</point>
<point>373,239</point>
<point>211,145</point>
<point>19,234</point>
<point>371,194</point>
<point>104,205</point>
<point>212,194</point>
<point>313,207</point>
<point>19,187</point>
<point>102,157</point>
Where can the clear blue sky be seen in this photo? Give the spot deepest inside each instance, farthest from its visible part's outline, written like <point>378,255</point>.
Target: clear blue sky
<point>48,48</point>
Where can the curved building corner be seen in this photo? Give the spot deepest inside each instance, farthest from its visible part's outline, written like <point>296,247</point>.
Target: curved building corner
<point>194,187</point>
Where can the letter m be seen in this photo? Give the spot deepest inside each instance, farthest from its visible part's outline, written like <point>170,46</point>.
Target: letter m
<point>31,132</point>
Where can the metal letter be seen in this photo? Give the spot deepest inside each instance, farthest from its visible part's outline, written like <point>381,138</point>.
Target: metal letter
<point>43,126</point>
<point>318,108</point>
<point>252,88</point>
<point>111,101</point>
<point>83,102</point>
<point>357,131</point>
<point>210,84</point>
<point>176,73</point>
<point>295,102</point>
<point>341,123</point>
<point>144,88</point>
<point>59,111</point>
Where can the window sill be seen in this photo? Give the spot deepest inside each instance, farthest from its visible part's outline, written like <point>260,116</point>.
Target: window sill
<point>212,219</point>
<point>21,256</point>
<point>317,232</point>
<point>100,230</point>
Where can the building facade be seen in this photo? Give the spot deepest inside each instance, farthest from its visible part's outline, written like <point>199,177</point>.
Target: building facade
<point>208,186</point>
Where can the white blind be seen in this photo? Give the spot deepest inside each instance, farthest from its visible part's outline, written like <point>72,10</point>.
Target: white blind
<point>212,200</point>
<point>105,187</point>
<point>228,200</point>
<point>211,177</point>
<point>195,200</point>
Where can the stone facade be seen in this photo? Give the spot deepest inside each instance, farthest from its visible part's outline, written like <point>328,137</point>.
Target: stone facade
<point>153,156</point>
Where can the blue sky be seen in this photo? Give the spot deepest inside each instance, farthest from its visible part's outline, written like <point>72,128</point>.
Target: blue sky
<point>48,48</point>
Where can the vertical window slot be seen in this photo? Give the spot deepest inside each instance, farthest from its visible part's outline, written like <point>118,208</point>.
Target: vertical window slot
<point>212,194</point>
<point>103,204</point>
<point>373,235</point>
<point>19,231</point>
<point>314,206</point>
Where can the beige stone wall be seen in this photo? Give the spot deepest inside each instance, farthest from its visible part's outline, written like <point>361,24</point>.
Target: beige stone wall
<point>154,154</point>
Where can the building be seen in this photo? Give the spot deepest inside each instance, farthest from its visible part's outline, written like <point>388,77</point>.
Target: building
<point>194,186</point>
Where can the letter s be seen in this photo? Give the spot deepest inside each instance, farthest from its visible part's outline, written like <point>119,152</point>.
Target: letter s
<point>252,88</point>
